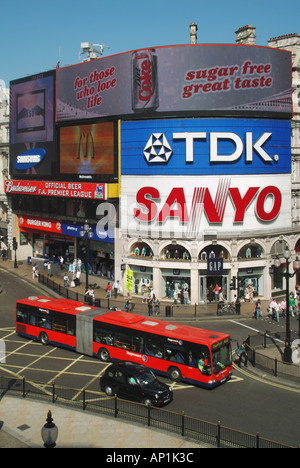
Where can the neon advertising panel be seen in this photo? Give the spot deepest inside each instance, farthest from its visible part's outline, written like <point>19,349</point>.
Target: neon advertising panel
<point>88,152</point>
<point>32,131</point>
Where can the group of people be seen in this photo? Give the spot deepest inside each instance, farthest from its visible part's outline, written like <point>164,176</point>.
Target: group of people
<point>114,289</point>
<point>215,294</point>
<point>277,309</point>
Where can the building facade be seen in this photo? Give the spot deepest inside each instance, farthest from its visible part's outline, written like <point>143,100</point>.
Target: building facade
<point>185,173</point>
<point>5,212</point>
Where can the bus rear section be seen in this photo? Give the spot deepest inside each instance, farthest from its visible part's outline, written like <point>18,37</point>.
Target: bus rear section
<point>50,321</point>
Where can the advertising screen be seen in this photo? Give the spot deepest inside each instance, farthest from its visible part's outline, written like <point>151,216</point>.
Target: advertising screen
<point>199,79</point>
<point>206,146</point>
<point>32,131</point>
<point>89,152</point>
<point>194,206</point>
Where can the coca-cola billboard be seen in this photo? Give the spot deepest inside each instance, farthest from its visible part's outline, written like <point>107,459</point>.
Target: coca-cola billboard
<point>225,79</point>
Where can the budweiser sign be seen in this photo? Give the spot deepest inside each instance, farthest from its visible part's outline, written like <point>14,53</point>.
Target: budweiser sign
<point>56,189</point>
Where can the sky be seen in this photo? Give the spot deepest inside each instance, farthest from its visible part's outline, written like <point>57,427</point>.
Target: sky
<point>35,35</point>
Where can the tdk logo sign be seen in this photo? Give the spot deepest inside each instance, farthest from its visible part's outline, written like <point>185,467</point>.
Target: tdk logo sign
<point>208,146</point>
<point>215,138</point>
<point>159,151</point>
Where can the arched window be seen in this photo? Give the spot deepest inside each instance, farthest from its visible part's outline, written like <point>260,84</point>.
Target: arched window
<point>251,251</point>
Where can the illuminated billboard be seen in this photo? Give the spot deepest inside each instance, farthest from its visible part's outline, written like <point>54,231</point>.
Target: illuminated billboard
<point>32,131</point>
<point>89,152</point>
<point>206,146</point>
<point>197,79</point>
<point>166,206</point>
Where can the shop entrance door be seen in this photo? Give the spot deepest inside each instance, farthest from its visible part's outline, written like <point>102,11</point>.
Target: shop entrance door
<point>206,282</point>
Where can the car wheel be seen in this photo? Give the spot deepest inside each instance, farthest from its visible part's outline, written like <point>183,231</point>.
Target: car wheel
<point>44,338</point>
<point>103,355</point>
<point>109,391</point>
<point>174,374</point>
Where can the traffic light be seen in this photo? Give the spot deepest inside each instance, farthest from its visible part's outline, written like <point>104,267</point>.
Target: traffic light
<point>15,243</point>
<point>233,284</point>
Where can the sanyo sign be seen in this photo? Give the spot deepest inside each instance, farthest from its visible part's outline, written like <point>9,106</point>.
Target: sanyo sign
<point>192,205</point>
<point>206,147</point>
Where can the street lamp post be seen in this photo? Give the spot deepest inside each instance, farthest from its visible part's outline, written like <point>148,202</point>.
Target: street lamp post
<point>86,233</point>
<point>287,353</point>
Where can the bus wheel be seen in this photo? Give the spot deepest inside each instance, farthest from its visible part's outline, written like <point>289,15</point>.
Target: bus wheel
<point>174,374</point>
<point>44,338</point>
<point>103,355</point>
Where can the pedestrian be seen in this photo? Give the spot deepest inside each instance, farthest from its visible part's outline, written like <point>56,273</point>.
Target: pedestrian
<point>291,304</point>
<point>283,308</point>
<point>116,288</point>
<point>108,290</point>
<point>61,262</point>
<point>150,306</point>
<point>144,291</point>
<point>156,305</point>
<point>257,309</point>
<point>66,280</point>
<point>186,297</point>
<point>175,297</point>
<point>216,291</point>
<point>49,269</point>
<point>33,271</point>
<point>90,295</point>
<point>242,354</point>
<point>276,311</point>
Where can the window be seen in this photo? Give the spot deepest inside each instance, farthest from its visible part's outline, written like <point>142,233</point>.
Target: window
<point>22,315</point>
<point>154,347</point>
<point>199,357</point>
<point>137,344</point>
<point>120,377</point>
<point>44,321</point>
<point>122,340</point>
<point>175,354</point>
<point>103,335</point>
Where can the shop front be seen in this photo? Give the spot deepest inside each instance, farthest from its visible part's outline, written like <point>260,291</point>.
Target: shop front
<point>174,282</point>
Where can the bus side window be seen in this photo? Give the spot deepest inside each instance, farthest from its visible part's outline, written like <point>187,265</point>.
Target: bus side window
<point>174,354</point>
<point>154,347</point>
<point>44,322</point>
<point>122,340</point>
<point>199,358</point>
<point>101,335</point>
<point>137,344</point>
<point>22,316</point>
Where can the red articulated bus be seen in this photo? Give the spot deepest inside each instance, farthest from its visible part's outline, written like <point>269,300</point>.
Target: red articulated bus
<point>197,356</point>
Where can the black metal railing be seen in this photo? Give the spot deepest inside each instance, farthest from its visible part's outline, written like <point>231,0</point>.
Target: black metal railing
<point>139,307</point>
<point>98,403</point>
<point>257,353</point>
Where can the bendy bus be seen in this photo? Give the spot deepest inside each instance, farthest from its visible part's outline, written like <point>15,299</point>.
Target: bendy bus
<point>193,355</point>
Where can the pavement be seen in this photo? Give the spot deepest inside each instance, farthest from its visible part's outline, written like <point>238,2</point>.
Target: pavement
<point>21,420</point>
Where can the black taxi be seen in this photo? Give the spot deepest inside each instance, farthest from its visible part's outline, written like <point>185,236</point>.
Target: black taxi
<point>135,382</point>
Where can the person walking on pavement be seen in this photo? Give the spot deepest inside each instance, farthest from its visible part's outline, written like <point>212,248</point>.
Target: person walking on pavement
<point>257,309</point>
<point>108,290</point>
<point>66,280</point>
<point>242,354</point>
<point>116,288</point>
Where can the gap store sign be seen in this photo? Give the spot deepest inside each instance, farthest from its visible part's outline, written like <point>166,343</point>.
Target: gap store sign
<point>206,147</point>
